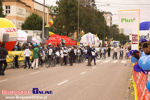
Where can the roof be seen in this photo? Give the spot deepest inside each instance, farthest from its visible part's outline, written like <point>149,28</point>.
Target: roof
<point>17,1</point>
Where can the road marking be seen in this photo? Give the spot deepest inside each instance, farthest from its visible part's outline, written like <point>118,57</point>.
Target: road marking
<point>106,61</point>
<point>123,62</point>
<point>115,61</point>
<point>61,83</point>
<point>82,73</point>
<point>3,80</point>
<point>34,73</point>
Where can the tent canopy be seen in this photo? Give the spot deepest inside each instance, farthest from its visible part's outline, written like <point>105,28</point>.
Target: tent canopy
<point>55,39</point>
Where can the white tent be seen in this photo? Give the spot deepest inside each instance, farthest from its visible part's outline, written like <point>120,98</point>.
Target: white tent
<point>22,36</point>
<point>90,39</point>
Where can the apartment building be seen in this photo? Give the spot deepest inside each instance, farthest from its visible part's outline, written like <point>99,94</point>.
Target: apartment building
<point>18,10</point>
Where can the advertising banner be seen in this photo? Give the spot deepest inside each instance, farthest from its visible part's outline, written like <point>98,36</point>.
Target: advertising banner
<point>20,54</point>
<point>130,19</point>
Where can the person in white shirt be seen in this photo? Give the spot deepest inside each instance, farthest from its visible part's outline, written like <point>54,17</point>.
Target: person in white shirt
<point>50,53</point>
<point>57,56</point>
<point>27,54</point>
<point>65,55</point>
<point>115,53</point>
<point>75,57</point>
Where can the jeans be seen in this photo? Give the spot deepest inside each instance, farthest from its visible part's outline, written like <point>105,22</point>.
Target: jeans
<point>27,61</point>
<point>93,58</point>
<point>3,65</point>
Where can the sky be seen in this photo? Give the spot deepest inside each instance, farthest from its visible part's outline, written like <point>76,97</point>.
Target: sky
<point>114,5</point>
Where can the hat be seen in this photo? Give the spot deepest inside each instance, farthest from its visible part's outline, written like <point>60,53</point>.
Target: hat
<point>142,40</point>
<point>132,51</point>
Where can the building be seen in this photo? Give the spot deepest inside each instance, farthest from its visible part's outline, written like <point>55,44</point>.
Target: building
<point>108,18</point>
<point>18,10</point>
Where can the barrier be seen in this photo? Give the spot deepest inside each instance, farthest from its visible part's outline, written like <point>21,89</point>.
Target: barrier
<point>12,54</point>
<point>139,84</point>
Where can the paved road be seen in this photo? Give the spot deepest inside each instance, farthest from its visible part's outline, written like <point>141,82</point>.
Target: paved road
<point>108,80</point>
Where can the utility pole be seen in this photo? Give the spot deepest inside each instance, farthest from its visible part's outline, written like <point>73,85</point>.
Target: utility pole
<point>43,19</point>
<point>78,21</point>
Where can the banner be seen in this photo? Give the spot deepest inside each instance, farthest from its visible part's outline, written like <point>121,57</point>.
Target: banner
<point>12,54</point>
<point>130,20</point>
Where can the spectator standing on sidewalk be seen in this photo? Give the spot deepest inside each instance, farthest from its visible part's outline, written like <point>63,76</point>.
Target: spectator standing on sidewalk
<point>27,54</point>
<point>65,55</point>
<point>36,57</point>
<point>3,63</point>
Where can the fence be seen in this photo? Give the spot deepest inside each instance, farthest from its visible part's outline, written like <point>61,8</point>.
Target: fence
<point>139,84</point>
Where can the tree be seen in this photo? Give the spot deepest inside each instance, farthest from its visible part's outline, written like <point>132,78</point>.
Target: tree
<point>66,18</point>
<point>1,9</point>
<point>53,10</point>
<point>116,35</point>
<point>33,22</point>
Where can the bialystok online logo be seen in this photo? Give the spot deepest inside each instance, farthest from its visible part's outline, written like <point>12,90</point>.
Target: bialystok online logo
<point>37,91</point>
<point>25,92</point>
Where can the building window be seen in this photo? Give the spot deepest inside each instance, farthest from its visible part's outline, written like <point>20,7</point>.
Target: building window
<point>7,9</point>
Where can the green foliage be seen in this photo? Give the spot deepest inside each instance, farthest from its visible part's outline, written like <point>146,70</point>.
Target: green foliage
<point>66,18</point>
<point>118,36</point>
<point>53,10</point>
<point>1,9</point>
<point>33,22</point>
<point>90,20</point>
